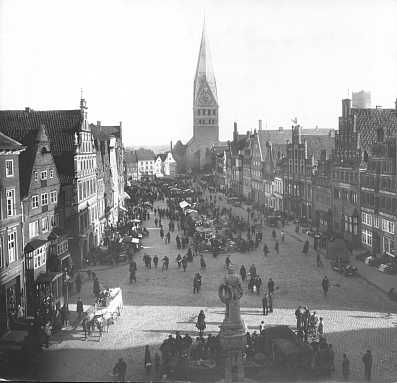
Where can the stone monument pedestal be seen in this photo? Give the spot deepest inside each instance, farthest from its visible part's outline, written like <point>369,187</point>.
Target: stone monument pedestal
<point>232,330</point>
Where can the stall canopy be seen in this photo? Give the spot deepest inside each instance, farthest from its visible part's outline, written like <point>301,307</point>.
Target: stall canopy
<point>184,204</point>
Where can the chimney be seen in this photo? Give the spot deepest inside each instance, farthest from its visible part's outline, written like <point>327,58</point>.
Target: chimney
<point>260,122</point>
<point>280,129</point>
<point>98,124</point>
<point>346,105</point>
<point>28,110</point>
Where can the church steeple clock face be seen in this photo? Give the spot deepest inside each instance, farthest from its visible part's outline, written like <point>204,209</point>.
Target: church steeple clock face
<point>205,96</point>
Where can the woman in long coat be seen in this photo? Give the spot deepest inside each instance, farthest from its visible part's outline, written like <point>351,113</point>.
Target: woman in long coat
<point>201,323</point>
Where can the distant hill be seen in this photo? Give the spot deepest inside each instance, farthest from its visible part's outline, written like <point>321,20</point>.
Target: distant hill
<point>156,149</point>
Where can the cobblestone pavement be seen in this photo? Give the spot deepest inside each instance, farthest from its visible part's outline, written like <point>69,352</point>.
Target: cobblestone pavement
<point>357,316</point>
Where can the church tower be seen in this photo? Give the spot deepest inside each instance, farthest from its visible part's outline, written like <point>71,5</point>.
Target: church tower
<point>205,98</point>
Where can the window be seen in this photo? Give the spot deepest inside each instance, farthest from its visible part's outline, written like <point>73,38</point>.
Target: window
<point>43,175</point>
<point>376,222</point>
<point>35,201</point>
<point>53,196</point>
<point>366,237</point>
<point>39,257</point>
<point>44,199</point>
<point>33,229</point>
<point>10,202</point>
<point>12,245</point>
<point>1,253</point>
<point>388,226</point>
<point>9,168</point>
<point>51,173</point>
<point>388,245</point>
<point>54,220</point>
<point>44,224</point>
<point>36,176</point>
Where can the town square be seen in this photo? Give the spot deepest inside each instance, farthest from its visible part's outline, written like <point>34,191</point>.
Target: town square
<point>175,213</point>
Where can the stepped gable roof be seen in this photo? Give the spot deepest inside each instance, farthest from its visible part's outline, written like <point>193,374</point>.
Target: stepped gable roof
<point>9,144</point>
<point>368,121</point>
<point>60,126</point>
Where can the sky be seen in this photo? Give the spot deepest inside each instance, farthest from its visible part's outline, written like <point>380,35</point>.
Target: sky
<point>135,60</point>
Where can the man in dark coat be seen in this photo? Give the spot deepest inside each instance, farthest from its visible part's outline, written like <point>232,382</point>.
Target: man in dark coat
<point>264,304</point>
<point>367,360</point>
<point>270,286</point>
<point>325,285</point>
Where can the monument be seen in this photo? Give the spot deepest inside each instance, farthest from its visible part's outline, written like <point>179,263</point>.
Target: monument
<point>232,330</point>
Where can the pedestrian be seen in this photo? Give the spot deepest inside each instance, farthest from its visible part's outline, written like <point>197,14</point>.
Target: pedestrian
<point>148,360</point>
<point>47,333</point>
<point>243,273</point>
<point>345,367</point>
<point>261,327</point>
<point>166,262</point>
<point>179,260</point>
<point>298,316</point>
<point>265,250</point>
<point>228,262</point>
<point>155,261</point>
<point>95,287</point>
<point>367,360</point>
<point>264,304</point>
<point>318,259</point>
<point>276,247</point>
<point>325,285</point>
<point>203,265</point>
<point>305,249</point>
<point>270,301</point>
<point>120,369</point>
<point>270,286</point>
<point>132,276</point>
<point>201,323</point>
<point>78,282</point>
<point>184,262</point>
<point>79,307</point>
<point>274,234</point>
<point>282,235</point>
<point>85,326</point>
<point>320,328</point>
<point>65,314</point>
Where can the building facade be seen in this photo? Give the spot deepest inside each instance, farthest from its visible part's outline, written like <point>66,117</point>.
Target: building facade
<point>12,275</point>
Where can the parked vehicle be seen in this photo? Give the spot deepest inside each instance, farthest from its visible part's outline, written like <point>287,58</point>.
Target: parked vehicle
<point>390,268</point>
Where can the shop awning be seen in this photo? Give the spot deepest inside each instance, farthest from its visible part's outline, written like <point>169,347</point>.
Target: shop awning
<point>126,195</point>
<point>184,204</point>
<point>47,277</point>
<point>123,208</point>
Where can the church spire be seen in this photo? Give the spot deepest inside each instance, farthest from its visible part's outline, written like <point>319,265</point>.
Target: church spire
<point>204,70</point>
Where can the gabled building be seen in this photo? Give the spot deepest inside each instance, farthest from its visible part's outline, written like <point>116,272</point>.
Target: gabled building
<point>73,148</point>
<point>353,147</point>
<point>40,189</point>
<point>378,197</point>
<point>12,275</point>
<point>112,152</point>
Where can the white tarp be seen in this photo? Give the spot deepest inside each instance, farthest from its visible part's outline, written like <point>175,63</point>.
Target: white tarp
<point>184,204</point>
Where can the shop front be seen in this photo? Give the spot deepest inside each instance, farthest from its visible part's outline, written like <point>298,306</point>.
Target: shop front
<point>11,294</point>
